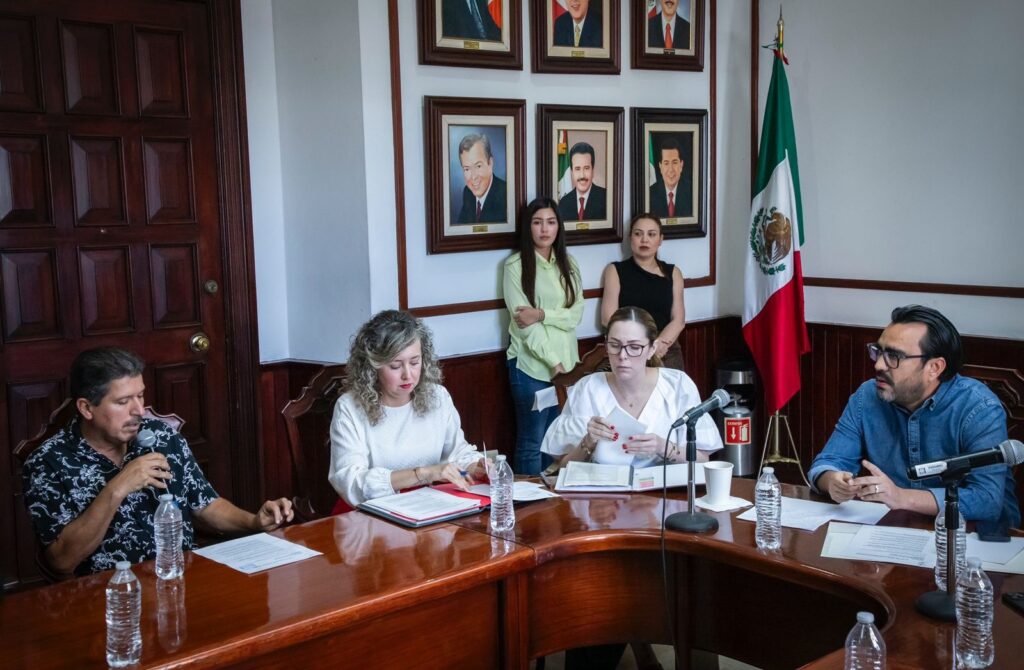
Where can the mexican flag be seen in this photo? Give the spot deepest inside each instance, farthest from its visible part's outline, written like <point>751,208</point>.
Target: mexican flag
<point>773,312</point>
<point>564,169</point>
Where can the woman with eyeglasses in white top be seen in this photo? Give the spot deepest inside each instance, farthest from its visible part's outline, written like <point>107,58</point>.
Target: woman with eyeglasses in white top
<point>637,385</point>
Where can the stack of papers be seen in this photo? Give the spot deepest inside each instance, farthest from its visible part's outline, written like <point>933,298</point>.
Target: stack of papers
<point>579,476</point>
<point>808,515</point>
<point>256,553</point>
<point>915,546</point>
<point>424,506</point>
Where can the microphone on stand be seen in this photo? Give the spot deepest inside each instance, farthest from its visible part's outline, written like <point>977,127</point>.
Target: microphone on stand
<point>1010,452</point>
<point>692,521</point>
<point>719,398</point>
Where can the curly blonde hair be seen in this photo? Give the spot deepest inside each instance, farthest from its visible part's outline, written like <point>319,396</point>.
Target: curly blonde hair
<point>378,342</point>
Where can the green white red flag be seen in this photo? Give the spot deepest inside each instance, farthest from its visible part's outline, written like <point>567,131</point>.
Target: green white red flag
<point>773,312</point>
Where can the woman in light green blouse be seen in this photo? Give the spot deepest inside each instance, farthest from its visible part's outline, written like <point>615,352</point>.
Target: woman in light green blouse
<point>544,297</point>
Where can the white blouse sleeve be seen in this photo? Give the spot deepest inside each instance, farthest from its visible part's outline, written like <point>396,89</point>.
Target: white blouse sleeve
<point>350,473</point>
<point>571,425</point>
<point>455,445</point>
<point>708,438</point>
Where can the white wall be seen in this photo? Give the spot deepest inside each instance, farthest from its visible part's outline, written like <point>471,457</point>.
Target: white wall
<point>904,116</point>
<point>908,129</point>
<point>265,178</point>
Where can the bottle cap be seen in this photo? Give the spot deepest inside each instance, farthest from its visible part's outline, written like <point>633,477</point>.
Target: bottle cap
<point>973,562</point>
<point>123,565</point>
<point>865,617</point>
<point>767,470</point>
<point>166,496</point>
<point>502,457</point>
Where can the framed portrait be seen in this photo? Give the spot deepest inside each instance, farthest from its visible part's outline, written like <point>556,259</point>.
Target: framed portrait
<point>475,172</point>
<point>471,33</point>
<point>668,34</point>
<point>579,163</point>
<point>669,168</point>
<point>575,36</point>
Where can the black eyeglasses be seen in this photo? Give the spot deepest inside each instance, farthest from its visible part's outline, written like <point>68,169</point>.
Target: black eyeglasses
<point>891,357</point>
<point>632,350</point>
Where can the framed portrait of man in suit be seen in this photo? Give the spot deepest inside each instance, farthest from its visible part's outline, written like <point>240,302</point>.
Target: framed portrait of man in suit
<point>669,168</point>
<point>471,33</point>
<point>575,36</point>
<point>667,34</point>
<point>579,164</point>
<point>475,172</point>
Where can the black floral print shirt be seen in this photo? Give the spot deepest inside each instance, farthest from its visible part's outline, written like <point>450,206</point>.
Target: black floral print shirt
<point>64,475</point>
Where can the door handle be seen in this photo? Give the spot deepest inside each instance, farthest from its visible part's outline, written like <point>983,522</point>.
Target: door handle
<point>199,343</point>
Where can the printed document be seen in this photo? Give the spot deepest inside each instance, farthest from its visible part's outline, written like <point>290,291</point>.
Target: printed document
<point>808,514</point>
<point>256,553</point>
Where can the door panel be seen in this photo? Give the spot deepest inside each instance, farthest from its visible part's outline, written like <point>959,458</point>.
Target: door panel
<point>109,219</point>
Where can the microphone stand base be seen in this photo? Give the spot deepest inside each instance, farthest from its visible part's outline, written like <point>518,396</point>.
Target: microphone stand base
<point>691,522</point>
<point>939,605</point>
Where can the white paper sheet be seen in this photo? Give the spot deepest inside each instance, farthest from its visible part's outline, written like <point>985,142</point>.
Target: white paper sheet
<point>840,535</point>
<point>578,473</point>
<point>544,398</point>
<point>610,452</point>
<point>994,552</point>
<point>256,553</point>
<point>888,544</point>
<point>521,491</point>
<point>678,474</point>
<point>422,504</point>
<point>808,514</point>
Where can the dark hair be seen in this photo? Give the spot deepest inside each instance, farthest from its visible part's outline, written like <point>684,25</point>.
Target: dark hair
<point>94,369</point>
<point>644,318</point>
<point>476,138</point>
<point>941,340</point>
<point>583,148</point>
<point>376,344</point>
<point>668,144</point>
<point>527,256</point>
<point>661,229</point>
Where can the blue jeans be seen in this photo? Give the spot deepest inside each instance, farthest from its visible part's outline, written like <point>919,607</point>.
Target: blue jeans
<point>530,425</point>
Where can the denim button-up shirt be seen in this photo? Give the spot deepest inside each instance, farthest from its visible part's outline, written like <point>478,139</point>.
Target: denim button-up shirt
<point>961,417</point>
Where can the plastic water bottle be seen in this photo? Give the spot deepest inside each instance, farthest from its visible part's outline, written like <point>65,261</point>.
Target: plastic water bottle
<point>124,611</point>
<point>974,644</point>
<point>940,548</point>
<point>865,648</point>
<point>170,563</point>
<point>768,501</point>
<point>503,514</point>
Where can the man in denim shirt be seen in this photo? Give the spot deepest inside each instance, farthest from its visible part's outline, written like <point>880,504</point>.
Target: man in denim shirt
<point>916,410</point>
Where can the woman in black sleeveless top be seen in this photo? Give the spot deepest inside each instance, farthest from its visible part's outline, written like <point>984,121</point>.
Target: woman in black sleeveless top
<point>645,281</point>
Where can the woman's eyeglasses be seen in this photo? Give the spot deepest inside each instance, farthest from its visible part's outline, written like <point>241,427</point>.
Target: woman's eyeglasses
<point>632,350</point>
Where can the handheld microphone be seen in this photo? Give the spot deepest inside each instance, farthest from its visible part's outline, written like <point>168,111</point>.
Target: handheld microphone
<point>146,438</point>
<point>1010,452</point>
<point>719,398</point>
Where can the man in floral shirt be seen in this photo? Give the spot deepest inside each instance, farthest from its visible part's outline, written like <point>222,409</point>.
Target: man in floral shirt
<point>91,490</point>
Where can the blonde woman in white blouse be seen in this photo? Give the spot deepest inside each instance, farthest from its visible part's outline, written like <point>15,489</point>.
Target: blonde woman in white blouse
<point>638,385</point>
<point>395,427</point>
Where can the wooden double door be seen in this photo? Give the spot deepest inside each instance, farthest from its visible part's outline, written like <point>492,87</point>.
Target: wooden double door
<point>111,220</point>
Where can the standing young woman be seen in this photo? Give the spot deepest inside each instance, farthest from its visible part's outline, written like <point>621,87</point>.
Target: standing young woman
<point>544,297</point>
<point>647,282</point>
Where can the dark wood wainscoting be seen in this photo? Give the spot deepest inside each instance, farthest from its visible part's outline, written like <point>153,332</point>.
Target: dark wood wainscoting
<point>837,364</point>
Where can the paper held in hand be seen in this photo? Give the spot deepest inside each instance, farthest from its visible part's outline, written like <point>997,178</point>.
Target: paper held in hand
<point>580,477</point>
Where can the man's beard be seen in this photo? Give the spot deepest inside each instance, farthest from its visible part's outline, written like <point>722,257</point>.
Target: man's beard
<point>906,394</point>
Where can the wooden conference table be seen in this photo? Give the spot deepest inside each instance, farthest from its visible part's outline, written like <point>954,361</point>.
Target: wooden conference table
<point>578,570</point>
